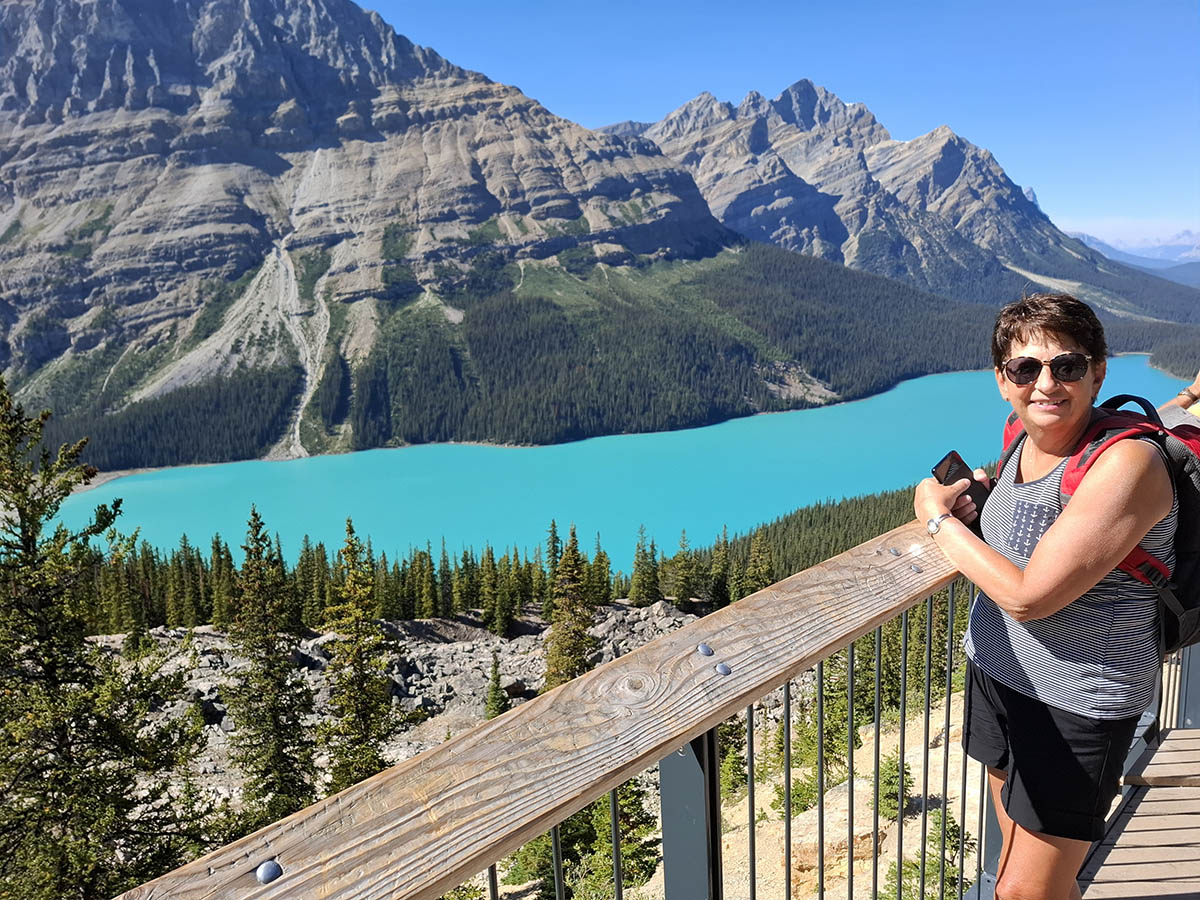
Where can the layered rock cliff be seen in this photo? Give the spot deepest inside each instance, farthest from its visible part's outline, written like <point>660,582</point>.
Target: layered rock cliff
<point>151,151</point>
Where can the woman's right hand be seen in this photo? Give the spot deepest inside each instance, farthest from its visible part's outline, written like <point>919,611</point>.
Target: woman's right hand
<point>964,507</point>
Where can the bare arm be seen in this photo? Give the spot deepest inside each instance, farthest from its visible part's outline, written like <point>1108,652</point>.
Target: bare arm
<point>1186,398</point>
<point>1124,494</point>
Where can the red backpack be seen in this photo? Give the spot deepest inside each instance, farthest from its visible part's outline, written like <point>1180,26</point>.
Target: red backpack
<point>1177,435</point>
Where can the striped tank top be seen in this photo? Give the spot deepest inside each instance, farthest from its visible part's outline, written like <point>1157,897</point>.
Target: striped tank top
<point>1097,656</point>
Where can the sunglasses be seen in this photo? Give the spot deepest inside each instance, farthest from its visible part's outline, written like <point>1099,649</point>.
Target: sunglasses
<point>1064,367</point>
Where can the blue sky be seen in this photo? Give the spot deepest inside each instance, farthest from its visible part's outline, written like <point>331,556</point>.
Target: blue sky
<point>1095,105</point>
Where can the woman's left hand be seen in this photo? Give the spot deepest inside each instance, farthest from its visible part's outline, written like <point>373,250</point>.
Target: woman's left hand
<point>933,499</point>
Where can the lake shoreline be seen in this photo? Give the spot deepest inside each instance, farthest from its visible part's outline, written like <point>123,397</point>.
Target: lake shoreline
<point>103,478</point>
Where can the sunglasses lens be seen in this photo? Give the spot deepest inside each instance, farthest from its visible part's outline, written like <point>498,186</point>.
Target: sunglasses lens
<point>1023,369</point>
<point>1064,367</point>
<point>1069,366</point>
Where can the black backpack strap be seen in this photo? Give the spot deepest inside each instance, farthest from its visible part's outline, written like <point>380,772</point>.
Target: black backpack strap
<point>1147,407</point>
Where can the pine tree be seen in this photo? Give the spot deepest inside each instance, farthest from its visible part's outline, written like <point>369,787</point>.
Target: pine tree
<point>643,586</point>
<point>362,718</point>
<point>539,585</point>
<point>938,868</point>
<point>758,571</point>
<point>592,878</point>
<point>508,593</point>
<point>553,552</point>
<point>568,644</point>
<point>497,700</point>
<point>271,745</point>
<point>489,586</point>
<point>683,572</point>
<point>718,572</point>
<point>221,566</point>
<point>599,581</point>
<point>445,585</point>
<point>94,797</point>
<point>427,594</point>
<point>465,587</point>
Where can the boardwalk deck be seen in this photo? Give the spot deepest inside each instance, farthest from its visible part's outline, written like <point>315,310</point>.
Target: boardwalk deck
<point>1153,849</point>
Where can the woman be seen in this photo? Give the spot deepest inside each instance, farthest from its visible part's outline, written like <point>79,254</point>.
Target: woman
<point>1062,645</point>
<point>1188,398</point>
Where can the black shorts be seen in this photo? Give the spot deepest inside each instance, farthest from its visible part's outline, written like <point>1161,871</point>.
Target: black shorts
<point>1063,769</point>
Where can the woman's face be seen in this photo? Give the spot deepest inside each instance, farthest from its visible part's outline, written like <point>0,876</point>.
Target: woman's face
<point>1047,403</point>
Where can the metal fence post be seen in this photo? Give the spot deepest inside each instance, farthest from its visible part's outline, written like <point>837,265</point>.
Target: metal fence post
<point>990,841</point>
<point>1189,688</point>
<point>690,795</point>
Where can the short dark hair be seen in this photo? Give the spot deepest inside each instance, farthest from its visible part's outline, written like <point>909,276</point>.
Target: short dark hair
<point>1056,314</point>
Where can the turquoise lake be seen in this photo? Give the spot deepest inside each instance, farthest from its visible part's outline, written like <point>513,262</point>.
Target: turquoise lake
<point>738,474</point>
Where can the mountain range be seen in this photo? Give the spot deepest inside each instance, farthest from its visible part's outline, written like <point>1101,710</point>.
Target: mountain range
<point>1177,260</point>
<point>288,225</point>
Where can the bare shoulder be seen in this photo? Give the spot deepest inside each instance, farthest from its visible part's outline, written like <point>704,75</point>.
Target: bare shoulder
<point>1133,471</point>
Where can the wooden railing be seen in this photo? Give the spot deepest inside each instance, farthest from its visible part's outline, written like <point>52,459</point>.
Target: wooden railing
<point>426,825</point>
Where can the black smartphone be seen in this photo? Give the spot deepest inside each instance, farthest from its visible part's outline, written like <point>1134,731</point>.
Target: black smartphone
<point>951,468</point>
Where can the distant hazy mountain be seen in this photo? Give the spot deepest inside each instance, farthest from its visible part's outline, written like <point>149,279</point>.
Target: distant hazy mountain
<point>811,173</point>
<point>1183,247</point>
<point>1131,259</point>
<point>1184,273</point>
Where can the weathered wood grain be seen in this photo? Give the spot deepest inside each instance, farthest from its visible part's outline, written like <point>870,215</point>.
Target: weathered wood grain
<point>427,824</point>
<point>1152,850</point>
<point>1173,763</point>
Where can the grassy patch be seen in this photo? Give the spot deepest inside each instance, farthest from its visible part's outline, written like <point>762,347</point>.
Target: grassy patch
<point>578,260</point>
<point>397,241</point>
<point>487,233</point>
<point>575,227</point>
<point>10,232</point>
<point>130,371</point>
<point>218,296</point>
<point>95,225</point>
<point>311,266</point>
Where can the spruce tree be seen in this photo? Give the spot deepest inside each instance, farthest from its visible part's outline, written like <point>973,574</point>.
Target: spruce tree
<point>221,566</point>
<point>94,797</point>
<point>362,718</point>
<point>643,586</point>
<point>271,745</point>
<point>599,582</point>
<point>508,592</point>
<point>568,643</point>
<point>683,574</point>
<point>718,572</point>
<point>592,878</point>
<point>553,552</point>
<point>427,593</point>
<point>445,585</point>
<point>489,586</point>
<point>497,700</point>
<point>465,587</point>
<point>758,571</point>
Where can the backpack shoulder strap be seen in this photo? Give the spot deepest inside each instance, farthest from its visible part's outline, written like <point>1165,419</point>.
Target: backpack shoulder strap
<point>1013,432</point>
<point>1105,430</point>
<point>1110,425</point>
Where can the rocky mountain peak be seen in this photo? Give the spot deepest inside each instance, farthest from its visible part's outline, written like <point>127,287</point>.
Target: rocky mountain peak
<point>702,111</point>
<point>67,59</point>
<point>809,107</point>
<point>754,104</point>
